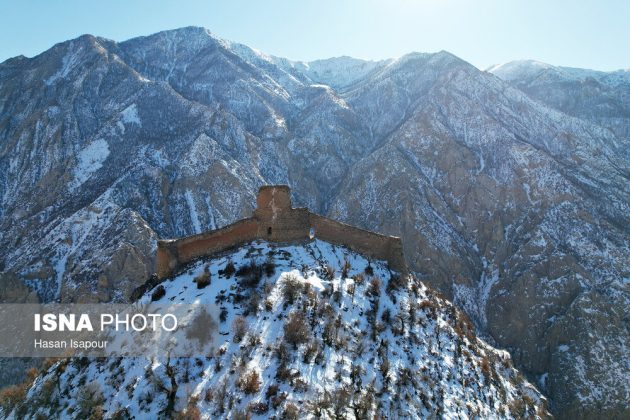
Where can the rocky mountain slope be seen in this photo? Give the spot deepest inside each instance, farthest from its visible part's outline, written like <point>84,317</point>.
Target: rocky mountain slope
<point>515,210</point>
<point>315,331</point>
<point>601,97</point>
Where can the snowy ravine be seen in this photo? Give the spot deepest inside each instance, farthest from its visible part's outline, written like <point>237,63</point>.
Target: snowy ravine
<point>315,331</point>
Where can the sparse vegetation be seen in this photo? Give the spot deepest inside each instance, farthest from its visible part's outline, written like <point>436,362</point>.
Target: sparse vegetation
<point>369,270</point>
<point>374,289</point>
<point>320,329</point>
<point>229,269</point>
<point>250,274</point>
<point>158,293</point>
<point>249,382</point>
<point>240,328</point>
<point>203,279</point>
<point>328,272</point>
<point>290,288</point>
<point>296,330</point>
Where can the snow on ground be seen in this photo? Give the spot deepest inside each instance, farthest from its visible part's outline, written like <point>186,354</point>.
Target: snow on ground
<point>326,333</point>
<point>89,160</point>
<point>130,115</point>
<point>193,211</point>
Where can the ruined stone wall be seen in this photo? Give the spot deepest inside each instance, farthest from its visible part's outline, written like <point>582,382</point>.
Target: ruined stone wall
<point>374,245</point>
<point>173,254</point>
<point>275,220</point>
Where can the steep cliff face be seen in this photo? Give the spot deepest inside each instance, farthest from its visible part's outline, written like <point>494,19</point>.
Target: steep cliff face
<point>319,332</point>
<point>517,211</point>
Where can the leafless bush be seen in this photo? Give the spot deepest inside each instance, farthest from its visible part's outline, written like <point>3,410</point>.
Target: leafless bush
<point>229,269</point>
<point>250,274</point>
<point>203,279</point>
<point>291,288</point>
<point>249,382</point>
<point>291,412</point>
<point>374,289</point>
<point>296,330</point>
<point>328,272</point>
<point>240,328</point>
<point>345,269</point>
<point>158,293</point>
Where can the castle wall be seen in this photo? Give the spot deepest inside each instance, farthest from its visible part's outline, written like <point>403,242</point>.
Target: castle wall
<point>374,245</point>
<point>173,254</point>
<point>275,220</point>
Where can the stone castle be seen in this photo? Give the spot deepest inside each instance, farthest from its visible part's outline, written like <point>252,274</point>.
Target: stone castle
<point>274,220</point>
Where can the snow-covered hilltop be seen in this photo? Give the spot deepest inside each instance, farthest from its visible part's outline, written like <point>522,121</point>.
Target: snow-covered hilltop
<point>309,330</point>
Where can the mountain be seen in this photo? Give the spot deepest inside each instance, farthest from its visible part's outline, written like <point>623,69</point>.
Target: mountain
<point>516,210</point>
<point>322,332</point>
<point>597,96</point>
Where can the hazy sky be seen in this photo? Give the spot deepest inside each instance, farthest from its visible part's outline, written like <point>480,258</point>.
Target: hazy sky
<point>592,34</point>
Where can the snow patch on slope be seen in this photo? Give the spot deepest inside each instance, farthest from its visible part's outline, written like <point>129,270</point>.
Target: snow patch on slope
<point>130,115</point>
<point>194,218</point>
<point>89,160</point>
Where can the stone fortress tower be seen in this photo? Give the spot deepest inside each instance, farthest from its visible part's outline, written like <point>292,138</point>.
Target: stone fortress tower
<point>275,220</point>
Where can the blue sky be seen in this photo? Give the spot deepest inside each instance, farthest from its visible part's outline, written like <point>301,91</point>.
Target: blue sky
<point>591,34</point>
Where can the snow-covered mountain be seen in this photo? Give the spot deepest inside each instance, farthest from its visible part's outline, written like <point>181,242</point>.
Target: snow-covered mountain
<point>517,211</point>
<point>322,333</point>
<point>598,96</point>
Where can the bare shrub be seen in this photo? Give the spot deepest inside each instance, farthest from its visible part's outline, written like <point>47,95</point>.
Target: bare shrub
<point>192,412</point>
<point>229,269</point>
<point>90,402</point>
<point>369,271</point>
<point>394,283</point>
<point>249,382</point>
<point>272,391</point>
<point>345,269</point>
<point>11,396</point>
<point>358,278</point>
<point>328,272</point>
<point>311,351</point>
<point>291,288</point>
<point>374,289</point>
<point>291,412</point>
<point>258,408</point>
<point>158,293</point>
<point>269,266</point>
<point>296,330</point>
<point>203,279</point>
<point>253,303</point>
<point>250,274</point>
<point>240,328</point>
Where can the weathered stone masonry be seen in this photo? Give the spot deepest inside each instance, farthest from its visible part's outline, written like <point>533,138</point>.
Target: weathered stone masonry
<point>275,220</point>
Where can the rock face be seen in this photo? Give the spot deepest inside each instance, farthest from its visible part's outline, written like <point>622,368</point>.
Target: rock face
<point>320,331</point>
<point>517,211</point>
<point>597,96</point>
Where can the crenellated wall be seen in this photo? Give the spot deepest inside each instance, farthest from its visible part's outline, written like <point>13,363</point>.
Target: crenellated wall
<point>275,220</point>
